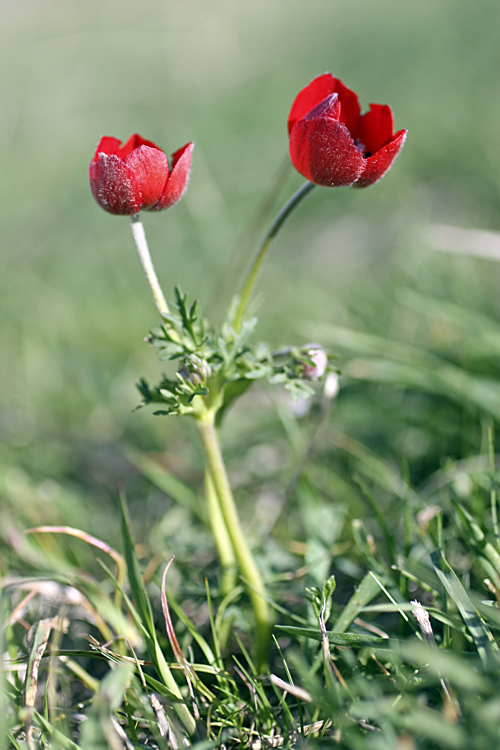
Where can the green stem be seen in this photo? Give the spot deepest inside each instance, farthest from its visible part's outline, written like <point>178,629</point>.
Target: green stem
<point>248,568</point>
<point>222,541</point>
<point>142,248</point>
<point>243,250</point>
<point>275,227</point>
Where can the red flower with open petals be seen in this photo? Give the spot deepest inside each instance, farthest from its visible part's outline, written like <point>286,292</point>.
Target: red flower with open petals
<point>333,144</point>
<point>126,179</point>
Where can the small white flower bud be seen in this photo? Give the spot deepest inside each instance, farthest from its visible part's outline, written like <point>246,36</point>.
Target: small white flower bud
<point>332,385</point>
<point>314,363</point>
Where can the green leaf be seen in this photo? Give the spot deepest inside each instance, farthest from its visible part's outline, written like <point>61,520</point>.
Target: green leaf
<point>479,631</point>
<point>159,475</point>
<point>201,391</point>
<point>187,318</point>
<point>352,640</point>
<point>441,733</point>
<point>367,590</point>
<point>455,667</point>
<point>59,739</point>
<point>298,389</point>
<point>143,607</point>
<point>476,536</point>
<point>137,588</point>
<point>411,366</point>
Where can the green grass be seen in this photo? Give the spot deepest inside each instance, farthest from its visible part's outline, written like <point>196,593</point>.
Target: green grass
<point>391,488</point>
<point>396,497</point>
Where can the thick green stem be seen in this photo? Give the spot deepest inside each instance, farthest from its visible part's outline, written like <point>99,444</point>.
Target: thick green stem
<point>222,540</point>
<point>142,248</point>
<point>275,227</point>
<point>246,563</point>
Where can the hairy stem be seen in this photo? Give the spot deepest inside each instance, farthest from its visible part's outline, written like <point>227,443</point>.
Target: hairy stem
<point>275,227</point>
<point>222,540</point>
<point>250,572</point>
<point>142,248</point>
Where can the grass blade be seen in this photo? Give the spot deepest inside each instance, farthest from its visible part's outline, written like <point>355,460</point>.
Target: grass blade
<point>366,591</point>
<point>143,607</point>
<point>478,630</point>
<point>159,475</point>
<point>351,640</point>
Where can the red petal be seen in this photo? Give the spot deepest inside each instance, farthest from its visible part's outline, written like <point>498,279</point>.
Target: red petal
<point>135,141</point>
<point>177,182</point>
<point>107,145</point>
<point>376,128</point>
<point>377,165</point>
<point>323,151</point>
<point>315,92</point>
<point>329,107</point>
<point>149,166</point>
<point>349,107</point>
<point>114,186</point>
<point>318,90</point>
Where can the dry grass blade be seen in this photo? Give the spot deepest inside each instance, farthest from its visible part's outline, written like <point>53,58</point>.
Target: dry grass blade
<point>15,615</point>
<point>168,620</point>
<point>164,725</point>
<point>186,667</point>
<point>317,728</point>
<point>325,643</point>
<point>38,638</point>
<point>422,617</point>
<point>297,692</point>
<point>89,539</point>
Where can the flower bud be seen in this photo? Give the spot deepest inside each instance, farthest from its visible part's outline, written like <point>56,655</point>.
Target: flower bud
<point>127,179</point>
<point>313,362</point>
<point>195,370</point>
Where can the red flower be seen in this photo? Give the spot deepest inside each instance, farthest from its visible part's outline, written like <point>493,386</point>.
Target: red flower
<point>126,179</point>
<point>333,144</point>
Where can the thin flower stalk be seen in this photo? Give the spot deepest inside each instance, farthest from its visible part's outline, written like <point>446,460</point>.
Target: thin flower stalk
<point>141,244</point>
<point>275,227</point>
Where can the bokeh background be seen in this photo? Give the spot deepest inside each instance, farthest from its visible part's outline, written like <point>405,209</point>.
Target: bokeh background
<point>417,329</point>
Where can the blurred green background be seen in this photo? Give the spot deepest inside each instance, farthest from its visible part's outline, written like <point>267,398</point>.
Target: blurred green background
<point>74,306</point>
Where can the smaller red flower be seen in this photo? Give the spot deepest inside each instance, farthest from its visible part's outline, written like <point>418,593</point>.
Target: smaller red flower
<point>126,179</point>
<point>333,144</point>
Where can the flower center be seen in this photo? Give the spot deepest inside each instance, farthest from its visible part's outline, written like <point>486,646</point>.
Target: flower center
<point>361,148</point>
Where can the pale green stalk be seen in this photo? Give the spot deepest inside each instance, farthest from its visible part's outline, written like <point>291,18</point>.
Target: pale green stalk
<point>222,540</point>
<point>142,248</point>
<point>246,563</point>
